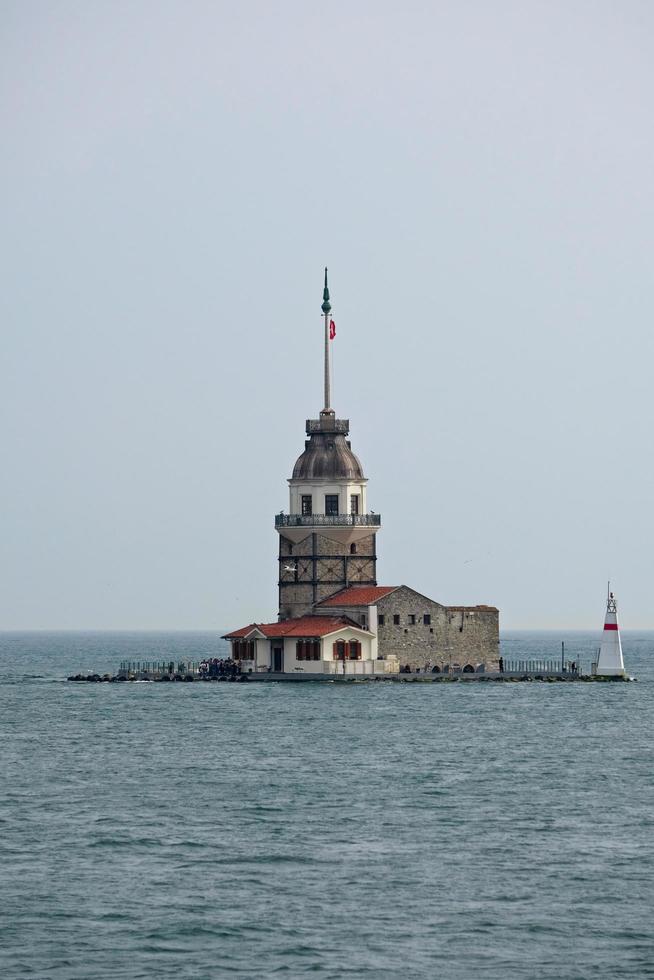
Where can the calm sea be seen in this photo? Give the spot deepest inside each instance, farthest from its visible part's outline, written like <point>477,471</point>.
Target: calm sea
<point>239,830</point>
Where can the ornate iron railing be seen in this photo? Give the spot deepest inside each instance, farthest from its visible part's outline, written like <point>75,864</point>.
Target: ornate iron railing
<point>327,520</point>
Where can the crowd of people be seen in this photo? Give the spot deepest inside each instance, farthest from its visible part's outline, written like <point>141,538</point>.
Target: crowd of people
<point>219,667</point>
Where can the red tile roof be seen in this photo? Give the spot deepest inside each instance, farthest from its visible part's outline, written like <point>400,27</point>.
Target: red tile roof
<point>305,626</point>
<point>359,595</point>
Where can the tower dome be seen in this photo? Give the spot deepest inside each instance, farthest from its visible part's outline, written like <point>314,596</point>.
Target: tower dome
<point>327,456</point>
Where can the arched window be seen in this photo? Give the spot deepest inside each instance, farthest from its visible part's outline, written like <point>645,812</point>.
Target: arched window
<point>353,549</point>
<point>355,650</point>
<point>340,650</point>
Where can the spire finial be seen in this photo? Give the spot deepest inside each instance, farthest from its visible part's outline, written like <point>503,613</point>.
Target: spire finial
<point>326,305</point>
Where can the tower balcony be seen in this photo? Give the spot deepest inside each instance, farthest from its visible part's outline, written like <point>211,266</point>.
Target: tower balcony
<point>327,520</point>
<point>346,529</point>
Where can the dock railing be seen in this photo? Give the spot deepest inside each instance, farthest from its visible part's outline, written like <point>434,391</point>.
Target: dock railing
<point>572,667</point>
<point>148,669</point>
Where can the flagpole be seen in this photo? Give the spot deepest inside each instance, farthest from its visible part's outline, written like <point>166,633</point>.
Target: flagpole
<point>331,356</point>
<point>326,309</point>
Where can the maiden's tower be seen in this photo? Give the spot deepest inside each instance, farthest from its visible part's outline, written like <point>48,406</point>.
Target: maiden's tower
<point>333,617</point>
<point>327,541</point>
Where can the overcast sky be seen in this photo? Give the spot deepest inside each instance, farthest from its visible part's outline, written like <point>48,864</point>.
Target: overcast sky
<point>175,175</point>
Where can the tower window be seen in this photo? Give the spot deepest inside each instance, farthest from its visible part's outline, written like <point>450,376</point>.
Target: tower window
<point>331,503</point>
<point>353,549</point>
<point>354,503</point>
<point>396,619</point>
<point>307,504</point>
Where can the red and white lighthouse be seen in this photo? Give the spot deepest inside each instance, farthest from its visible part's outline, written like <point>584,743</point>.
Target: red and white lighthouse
<point>610,662</point>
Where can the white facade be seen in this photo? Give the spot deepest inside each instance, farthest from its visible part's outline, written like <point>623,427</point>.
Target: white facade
<point>284,653</point>
<point>345,490</point>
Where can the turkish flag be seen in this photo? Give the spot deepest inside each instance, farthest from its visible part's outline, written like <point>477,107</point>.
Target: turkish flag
<point>332,329</point>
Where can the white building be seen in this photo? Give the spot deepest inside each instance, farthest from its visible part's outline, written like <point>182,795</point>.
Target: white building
<point>309,644</point>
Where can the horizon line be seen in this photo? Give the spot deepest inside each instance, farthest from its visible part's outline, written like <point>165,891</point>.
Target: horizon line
<point>220,630</point>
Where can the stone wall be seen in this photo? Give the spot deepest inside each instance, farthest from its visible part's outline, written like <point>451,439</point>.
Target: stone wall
<point>455,635</point>
<point>317,567</point>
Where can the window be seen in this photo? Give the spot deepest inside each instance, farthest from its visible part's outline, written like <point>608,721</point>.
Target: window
<point>354,503</point>
<point>412,619</point>
<point>396,619</point>
<point>380,619</point>
<point>339,650</point>
<point>307,504</point>
<point>353,549</point>
<point>331,503</point>
<point>307,650</point>
<point>243,650</point>
<point>427,619</point>
<point>354,652</point>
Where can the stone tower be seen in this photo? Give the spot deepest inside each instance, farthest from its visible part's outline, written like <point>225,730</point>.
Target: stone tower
<point>327,541</point>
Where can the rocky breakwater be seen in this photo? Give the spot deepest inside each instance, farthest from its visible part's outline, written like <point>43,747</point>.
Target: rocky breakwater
<point>164,678</point>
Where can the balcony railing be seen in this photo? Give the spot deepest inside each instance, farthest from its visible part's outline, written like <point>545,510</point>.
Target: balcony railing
<point>327,520</point>
<point>328,425</point>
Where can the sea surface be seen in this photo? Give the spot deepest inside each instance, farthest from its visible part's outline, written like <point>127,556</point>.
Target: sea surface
<point>198,831</point>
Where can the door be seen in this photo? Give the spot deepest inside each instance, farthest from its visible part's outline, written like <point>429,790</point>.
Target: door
<point>278,659</point>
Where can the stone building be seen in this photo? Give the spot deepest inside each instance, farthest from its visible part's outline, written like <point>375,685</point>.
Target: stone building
<point>327,568</point>
<point>417,630</point>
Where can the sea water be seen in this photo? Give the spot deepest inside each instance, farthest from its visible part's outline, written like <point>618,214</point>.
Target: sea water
<point>363,831</point>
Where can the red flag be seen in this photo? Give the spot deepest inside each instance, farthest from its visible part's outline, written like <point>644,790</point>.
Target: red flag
<point>332,329</point>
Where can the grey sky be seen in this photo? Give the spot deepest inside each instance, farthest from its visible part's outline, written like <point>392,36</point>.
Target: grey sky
<point>477,176</point>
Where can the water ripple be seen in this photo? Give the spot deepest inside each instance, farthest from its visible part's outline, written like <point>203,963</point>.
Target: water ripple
<point>200,831</point>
